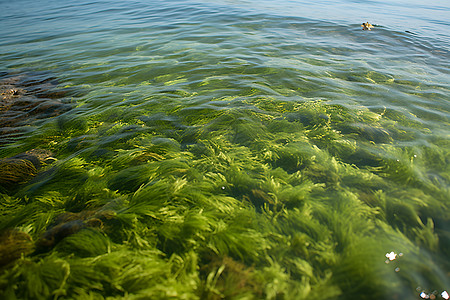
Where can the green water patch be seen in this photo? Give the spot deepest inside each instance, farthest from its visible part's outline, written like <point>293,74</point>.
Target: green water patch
<point>251,197</point>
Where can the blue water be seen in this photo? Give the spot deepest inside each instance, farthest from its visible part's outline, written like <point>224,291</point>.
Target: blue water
<point>109,41</point>
<point>429,18</point>
<point>166,61</point>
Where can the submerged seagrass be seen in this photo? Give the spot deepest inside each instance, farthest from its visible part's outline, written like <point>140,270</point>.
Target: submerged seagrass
<point>272,200</point>
<point>254,157</point>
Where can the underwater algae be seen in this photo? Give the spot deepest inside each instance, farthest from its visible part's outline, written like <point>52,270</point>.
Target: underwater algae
<point>203,150</point>
<point>247,198</point>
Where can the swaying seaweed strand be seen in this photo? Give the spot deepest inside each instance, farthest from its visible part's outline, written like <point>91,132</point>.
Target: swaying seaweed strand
<point>282,205</point>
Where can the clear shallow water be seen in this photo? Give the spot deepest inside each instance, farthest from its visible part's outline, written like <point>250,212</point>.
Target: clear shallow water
<point>165,87</point>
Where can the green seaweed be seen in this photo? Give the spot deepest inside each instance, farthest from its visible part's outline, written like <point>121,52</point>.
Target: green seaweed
<point>246,197</point>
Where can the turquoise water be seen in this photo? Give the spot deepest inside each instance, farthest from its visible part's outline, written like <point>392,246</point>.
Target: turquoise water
<point>271,141</point>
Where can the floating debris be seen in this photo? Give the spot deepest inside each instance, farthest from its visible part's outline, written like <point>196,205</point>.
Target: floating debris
<point>366,26</point>
<point>424,294</point>
<point>391,256</point>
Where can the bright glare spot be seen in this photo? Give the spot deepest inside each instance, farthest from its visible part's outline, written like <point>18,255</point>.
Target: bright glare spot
<point>223,188</point>
<point>415,155</point>
<point>445,295</point>
<point>424,295</point>
<point>391,256</point>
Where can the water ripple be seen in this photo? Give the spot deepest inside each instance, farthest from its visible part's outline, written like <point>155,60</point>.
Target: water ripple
<point>216,51</point>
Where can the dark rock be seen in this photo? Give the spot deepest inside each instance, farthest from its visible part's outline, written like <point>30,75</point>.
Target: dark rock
<point>28,97</point>
<point>15,172</point>
<point>13,244</point>
<point>22,167</point>
<point>55,234</point>
<point>69,223</point>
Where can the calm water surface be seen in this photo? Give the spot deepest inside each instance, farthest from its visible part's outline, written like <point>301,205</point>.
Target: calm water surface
<point>153,70</point>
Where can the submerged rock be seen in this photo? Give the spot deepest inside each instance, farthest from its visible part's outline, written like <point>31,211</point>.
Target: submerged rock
<point>69,223</point>
<point>13,244</point>
<point>22,167</point>
<point>25,98</point>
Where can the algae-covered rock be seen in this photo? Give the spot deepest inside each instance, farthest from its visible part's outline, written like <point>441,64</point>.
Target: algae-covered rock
<point>26,97</point>
<point>15,171</point>
<point>13,244</point>
<point>68,224</point>
<point>22,167</point>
